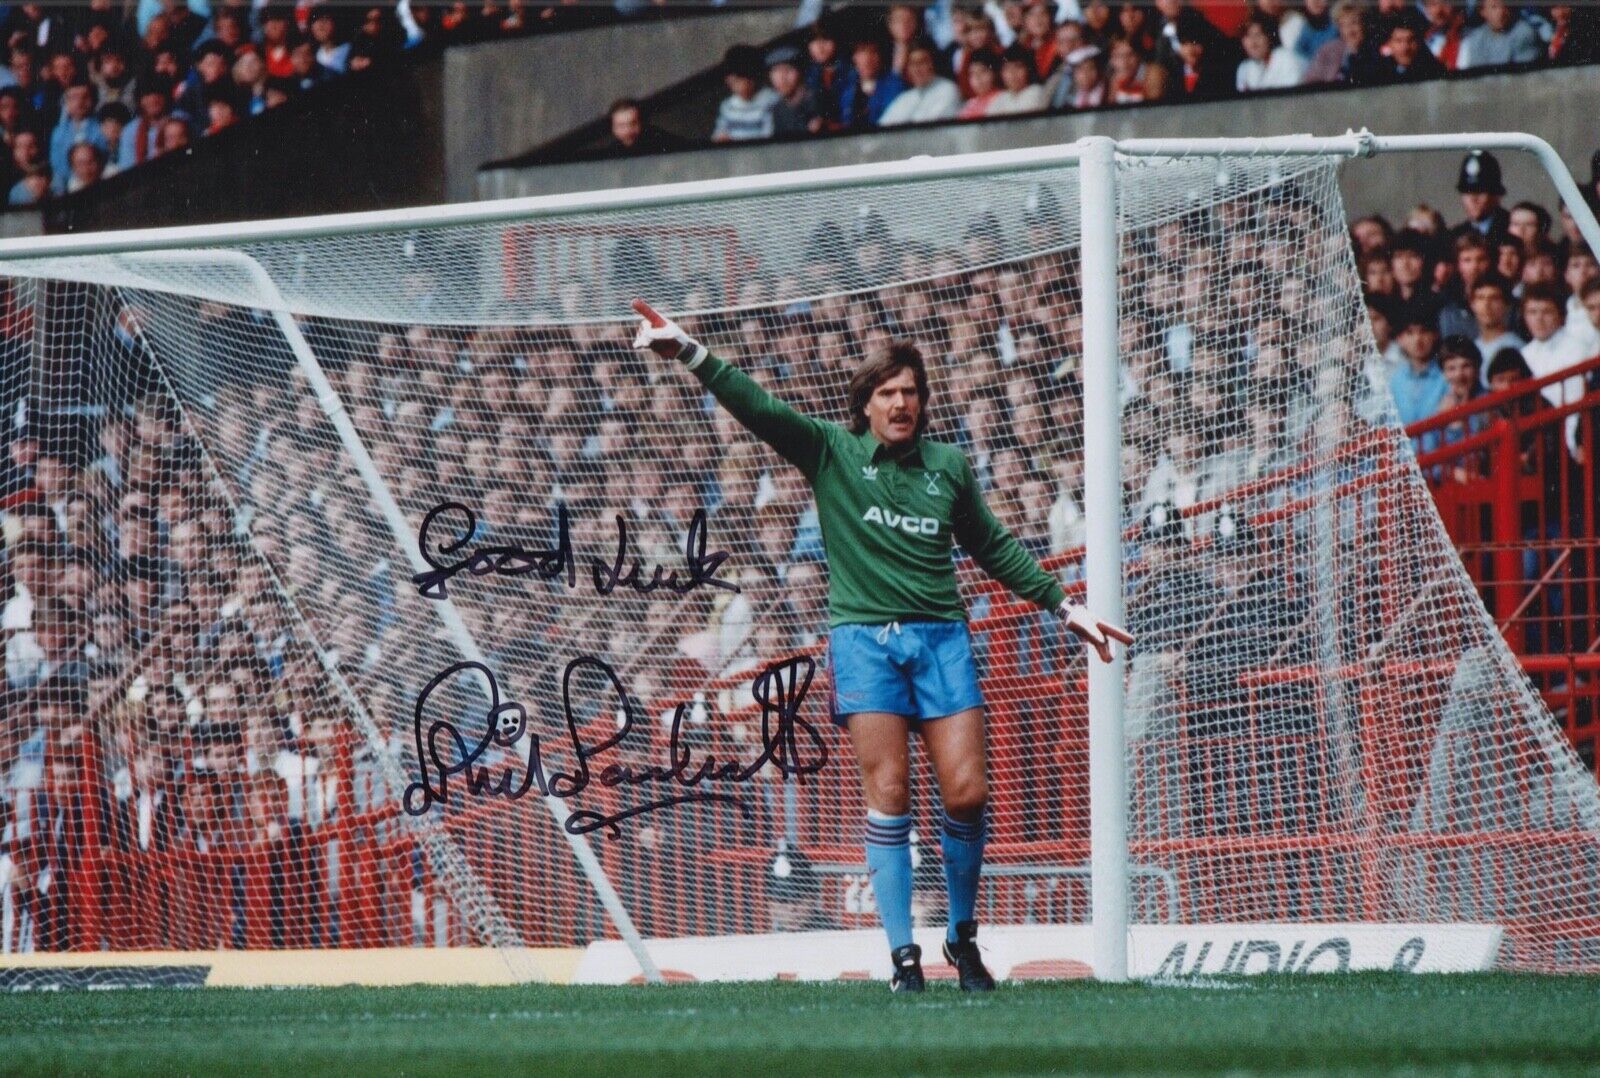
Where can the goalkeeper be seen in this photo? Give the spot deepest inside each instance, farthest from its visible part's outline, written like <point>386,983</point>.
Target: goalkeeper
<point>890,502</point>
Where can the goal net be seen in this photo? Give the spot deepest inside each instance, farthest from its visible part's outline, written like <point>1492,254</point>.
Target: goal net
<point>236,719</point>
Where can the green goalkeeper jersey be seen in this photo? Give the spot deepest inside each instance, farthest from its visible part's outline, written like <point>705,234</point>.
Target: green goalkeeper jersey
<point>887,519</point>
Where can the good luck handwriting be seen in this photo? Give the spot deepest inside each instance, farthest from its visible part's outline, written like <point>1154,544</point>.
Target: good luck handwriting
<point>788,743</point>
<point>559,562</point>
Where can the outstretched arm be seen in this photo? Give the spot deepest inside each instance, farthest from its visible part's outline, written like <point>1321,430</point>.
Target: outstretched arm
<point>797,438</point>
<point>997,551</point>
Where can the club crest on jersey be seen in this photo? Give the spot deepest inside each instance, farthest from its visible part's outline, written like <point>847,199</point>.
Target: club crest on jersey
<point>869,472</point>
<point>909,524</point>
<point>933,483</point>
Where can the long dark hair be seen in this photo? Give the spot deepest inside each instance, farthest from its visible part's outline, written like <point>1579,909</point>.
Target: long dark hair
<point>879,369</point>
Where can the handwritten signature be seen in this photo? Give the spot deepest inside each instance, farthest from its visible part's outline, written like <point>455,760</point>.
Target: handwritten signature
<point>559,561</point>
<point>443,750</point>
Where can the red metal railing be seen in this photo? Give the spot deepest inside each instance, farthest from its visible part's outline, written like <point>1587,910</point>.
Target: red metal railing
<point>1522,510</point>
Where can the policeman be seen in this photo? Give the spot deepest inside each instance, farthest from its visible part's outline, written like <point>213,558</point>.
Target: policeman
<point>1481,191</point>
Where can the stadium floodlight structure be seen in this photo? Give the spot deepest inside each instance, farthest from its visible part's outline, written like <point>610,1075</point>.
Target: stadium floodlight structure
<point>1325,727</point>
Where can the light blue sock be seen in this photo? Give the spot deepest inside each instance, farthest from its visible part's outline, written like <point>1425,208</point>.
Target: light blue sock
<point>889,868</point>
<point>962,845</point>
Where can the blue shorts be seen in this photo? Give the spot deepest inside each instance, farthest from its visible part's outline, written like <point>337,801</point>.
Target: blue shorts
<point>920,669</point>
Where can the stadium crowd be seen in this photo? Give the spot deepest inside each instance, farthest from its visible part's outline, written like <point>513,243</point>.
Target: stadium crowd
<point>177,585</point>
<point>960,62</point>
<point>91,89</point>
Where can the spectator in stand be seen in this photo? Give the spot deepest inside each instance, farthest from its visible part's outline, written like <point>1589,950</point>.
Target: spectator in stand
<point>1019,92</point>
<point>1459,361</point>
<point>1501,38</point>
<point>983,79</point>
<point>1481,191</point>
<point>25,76</point>
<point>250,83</point>
<point>332,50</point>
<point>1098,23</point>
<point>1530,224</point>
<point>1131,79</point>
<point>1205,71</point>
<point>13,115</point>
<point>1574,35</point>
<point>277,24</point>
<point>1589,300</point>
<point>1286,21</point>
<point>1408,260</point>
<point>1539,267</point>
<point>826,71</point>
<point>308,71</point>
<point>1319,30</point>
<point>1136,26</point>
<point>1491,307</point>
<point>184,27</point>
<point>1419,385</point>
<point>55,74</point>
<point>113,118</point>
<point>87,164</point>
<point>1473,257</point>
<point>746,113</point>
<point>1552,348</point>
<point>903,25</point>
<point>77,124</point>
<point>212,72</point>
<point>1405,58</point>
<point>224,108</point>
<point>1039,37</point>
<point>929,97</point>
<point>32,188</point>
<point>1508,259</point>
<point>1068,38</point>
<point>140,139</point>
<point>365,51</point>
<point>27,152</point>
<point>174,134</point>
<point>868,89</point>
<point>796,111</point>
<point>1085,84</point>
<point>630,134</point>
<point>1506,369</point>
<point>1427,220</point>
<point>1445,27</point>
<point>164,61</point>
<point>112,77</point>
<point>231,27</point>
<point>977,35</point>
<point>1267,64</point>
<point>1164,30</point>
<point>1377,272</point>
<point>1581,269</point>
<point>1383,314</point>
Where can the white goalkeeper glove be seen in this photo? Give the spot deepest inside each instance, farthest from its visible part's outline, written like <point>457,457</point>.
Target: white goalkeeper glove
<point>1092,630</point>
<point>666,338</point>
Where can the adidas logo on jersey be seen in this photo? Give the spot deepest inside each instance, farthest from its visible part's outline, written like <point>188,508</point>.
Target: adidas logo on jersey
<point>909,524</point>
<point>869,472</point>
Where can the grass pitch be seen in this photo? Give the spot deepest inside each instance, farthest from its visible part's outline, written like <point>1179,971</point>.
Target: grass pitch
<point>1490,1023</point>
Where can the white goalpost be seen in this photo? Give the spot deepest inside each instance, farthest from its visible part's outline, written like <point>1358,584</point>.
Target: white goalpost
<point>1153,351</point>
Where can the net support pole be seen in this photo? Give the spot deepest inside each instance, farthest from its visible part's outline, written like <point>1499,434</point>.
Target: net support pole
<point>383,500</point>
<point>1102,454</point>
